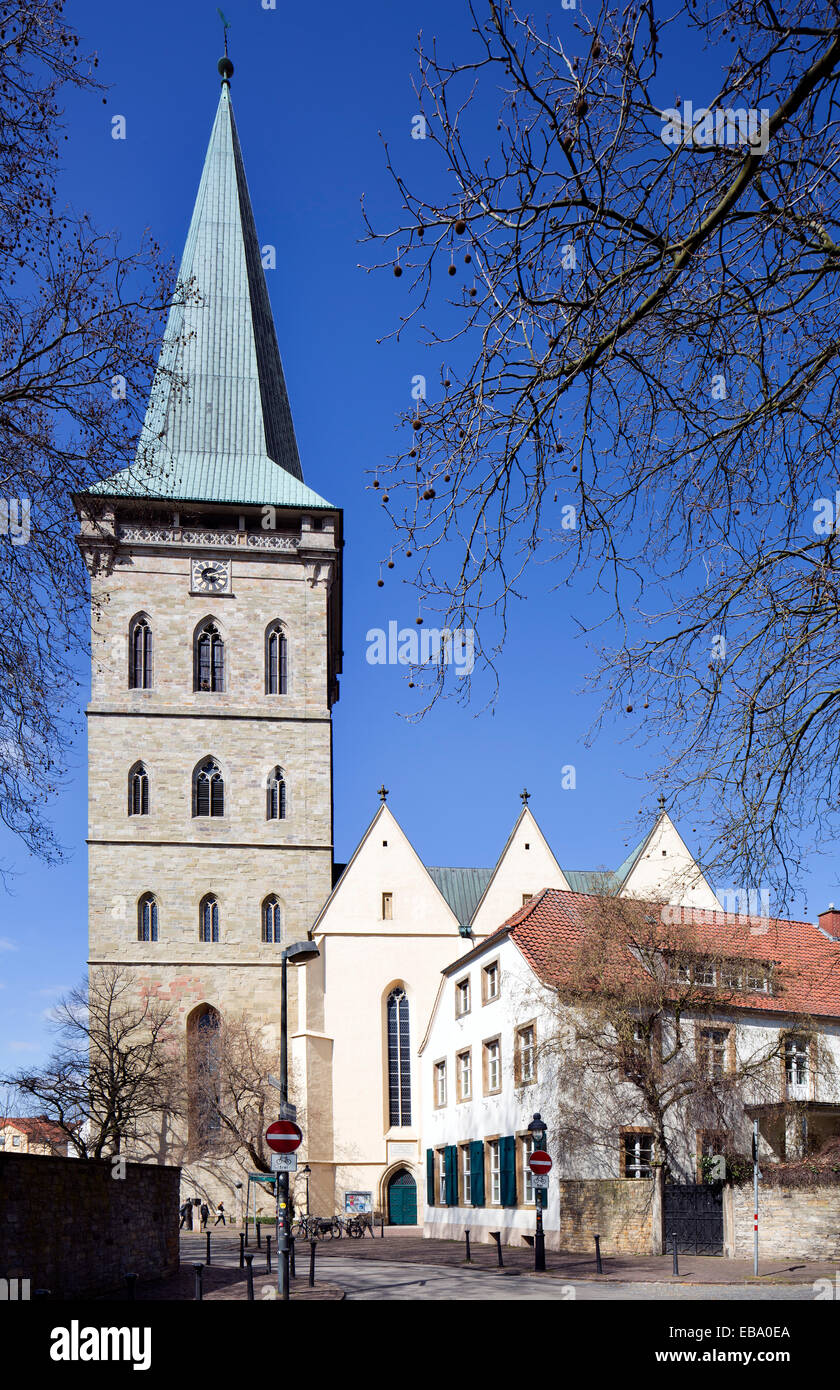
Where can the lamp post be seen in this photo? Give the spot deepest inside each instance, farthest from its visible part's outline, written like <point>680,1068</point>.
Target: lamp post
<point>298,953</point>
<point>537,1129</point>
<point>306,1172</point>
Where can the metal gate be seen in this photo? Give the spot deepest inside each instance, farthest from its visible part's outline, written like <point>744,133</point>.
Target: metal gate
<point>695,1212</point>
<point>402,1200</point>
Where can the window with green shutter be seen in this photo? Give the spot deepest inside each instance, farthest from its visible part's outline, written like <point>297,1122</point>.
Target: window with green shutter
<point>451,1170</point>
<point>507,1170</point>
<point>477,1172</point>
<point>430,1177</point>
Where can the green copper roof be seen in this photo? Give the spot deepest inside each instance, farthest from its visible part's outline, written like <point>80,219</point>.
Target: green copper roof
<point>462,889</point>
<point>227,434</point>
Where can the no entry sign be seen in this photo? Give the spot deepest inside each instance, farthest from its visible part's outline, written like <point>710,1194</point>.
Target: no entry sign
<point>283,1136</point>
<point>540,1161</point>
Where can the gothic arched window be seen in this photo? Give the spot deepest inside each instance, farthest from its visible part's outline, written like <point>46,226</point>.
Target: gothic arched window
<point>208,919</point>
<point>138,791</point>
<point>276,795</point>
<point>147,918</point>
<point>399,1059</point>
<point>208,789</point>
<point>276,660</point>
<point>204,1037</point>
<point>272,919</point>
<point>140,653</point>
<point>209,658</point>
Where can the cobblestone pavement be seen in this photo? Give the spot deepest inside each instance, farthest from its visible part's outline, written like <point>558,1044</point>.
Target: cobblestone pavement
<point>410,1249</point>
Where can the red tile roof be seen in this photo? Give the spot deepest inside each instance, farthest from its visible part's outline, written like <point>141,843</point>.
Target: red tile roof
<point>37,1127</point>
<point>550,928</point>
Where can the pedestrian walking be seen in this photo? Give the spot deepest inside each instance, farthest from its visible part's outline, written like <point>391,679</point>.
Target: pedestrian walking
<point>186,1216</point>
<point>205,1214</point>
<point>220,1214</point>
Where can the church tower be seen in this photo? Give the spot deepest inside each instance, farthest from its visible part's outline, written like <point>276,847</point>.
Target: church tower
<point>216,645</point>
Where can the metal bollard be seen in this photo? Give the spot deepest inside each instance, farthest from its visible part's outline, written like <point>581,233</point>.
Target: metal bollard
<point>199,1289</point>
<point>598,1266</point>
<point>382,1224</point>
<point>312,1245</point>
<point>208,1247</point>
<point>469,1256</point>
<point>259,1236</point>
<point>241,1249</point>
<point>268,1254</point>
<point>250,1262</point>
<point>497,1236</point>
<point>674,1244</point>
<point>292,1273</point>
<point>130,1286</point>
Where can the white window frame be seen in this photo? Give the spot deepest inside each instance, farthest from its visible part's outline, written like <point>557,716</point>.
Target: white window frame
<point>466,1174</point>
<point>463,1062</point>
<point>441,1153</point>
<point>440,1084</point>
<point>491,971</point>
<point>527,1053</point>
<point>462,992</point>
<point>529,1143</point>
<point>493,1053</point>
<point>495,1153</point>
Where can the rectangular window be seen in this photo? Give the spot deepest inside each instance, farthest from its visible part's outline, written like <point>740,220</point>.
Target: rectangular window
<point>529,1143</point>
<point>490,982</point>
<point>730,975</point>
<point>440,1084</point>
<point>15,1141</point>
<point>466,1174</point>
<point>757,978</point>
<point>711,1052</point>
<point>441,1169</point>
<point>387,907</point>
<point>464,1075</point>
<point>495,1172</point>
<point>637,1153</point>
<point>705,973</point>
<point>492,1066</point>
<point>526,1054</point>
<point>526,898</point>
<point>462,997</point>
<point>796,1065</point>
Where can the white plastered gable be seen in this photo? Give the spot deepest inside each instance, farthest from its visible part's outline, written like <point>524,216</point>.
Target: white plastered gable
<point>666,869</point>
<point>525,865</point>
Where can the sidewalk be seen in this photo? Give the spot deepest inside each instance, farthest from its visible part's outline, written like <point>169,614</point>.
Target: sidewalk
<point>407,1244</point>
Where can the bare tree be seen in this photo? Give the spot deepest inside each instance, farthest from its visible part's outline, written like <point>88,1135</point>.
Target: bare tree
<point>638,381</point>
<point>648,1034</point>
<point>116,1066</point>
<point>80,322</point>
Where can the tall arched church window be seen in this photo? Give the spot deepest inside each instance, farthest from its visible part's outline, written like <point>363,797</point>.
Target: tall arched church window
<point>138,791</point>
<point>208,919</point>
<point>208,789</point>
<point>272,919</point>
<point>276,795</point>
<point>204,1075</point>
<point>276,661</point>
<point>399,1059</point>
<point>209,659</point>
<point>140,654</point>
<point>147,918</point>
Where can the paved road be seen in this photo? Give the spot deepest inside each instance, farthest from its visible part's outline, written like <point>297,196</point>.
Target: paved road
<point>390,1279</point>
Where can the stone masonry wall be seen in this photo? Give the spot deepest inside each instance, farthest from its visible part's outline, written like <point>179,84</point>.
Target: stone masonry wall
<point>619,1210</point>
<point>71,1227</point>
<point>793,1224</point>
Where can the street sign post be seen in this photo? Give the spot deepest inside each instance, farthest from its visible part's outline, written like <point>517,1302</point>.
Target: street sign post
<point>540,1162</point>
<point>284,1163</point>
<point>283,1136</point>
<point>539,1181</point>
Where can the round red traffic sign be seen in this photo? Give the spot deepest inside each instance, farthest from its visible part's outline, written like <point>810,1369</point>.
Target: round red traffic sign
<point>540,1161</point>
<point>283,1136</point>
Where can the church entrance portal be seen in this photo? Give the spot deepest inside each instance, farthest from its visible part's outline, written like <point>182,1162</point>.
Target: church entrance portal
<point>402,1199</point>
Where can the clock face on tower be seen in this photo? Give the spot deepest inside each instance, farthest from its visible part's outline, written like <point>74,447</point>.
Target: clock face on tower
<point>210,576</point>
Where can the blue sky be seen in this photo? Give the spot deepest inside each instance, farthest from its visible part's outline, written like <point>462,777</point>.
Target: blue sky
<point>313,86</point>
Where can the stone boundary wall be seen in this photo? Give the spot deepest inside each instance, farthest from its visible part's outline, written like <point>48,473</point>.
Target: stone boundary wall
<point>793,1223</point>
<point>620,1210</point>
<point>68,1226</point>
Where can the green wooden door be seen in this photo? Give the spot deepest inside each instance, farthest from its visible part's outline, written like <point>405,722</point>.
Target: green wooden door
<point>402,1200</point>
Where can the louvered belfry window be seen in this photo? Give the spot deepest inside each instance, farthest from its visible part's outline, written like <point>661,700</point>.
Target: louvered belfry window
<point>138,791</point>
<point>140,655</point>
<point>276,795</point>
<point>209,792</point>
<point>399,1059</point>
<point>209,659</point>
<point>275,661</point>
<point>147,919</point>
<point>209,920</point>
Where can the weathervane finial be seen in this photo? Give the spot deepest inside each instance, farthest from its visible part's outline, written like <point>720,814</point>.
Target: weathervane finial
<point>225,66</point>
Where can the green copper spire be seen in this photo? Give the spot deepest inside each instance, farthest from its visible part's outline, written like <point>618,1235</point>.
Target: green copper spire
<point>227,434</point>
